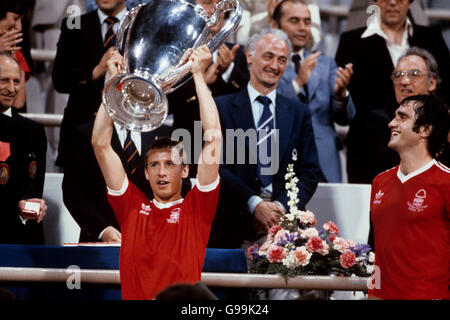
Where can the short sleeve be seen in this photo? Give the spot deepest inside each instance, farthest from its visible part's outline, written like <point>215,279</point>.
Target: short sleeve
<point>121,200</point>
<point>203,200</point>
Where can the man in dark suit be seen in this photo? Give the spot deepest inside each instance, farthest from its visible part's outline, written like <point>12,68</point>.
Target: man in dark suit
<point>80,66</point>
<point>253,192</point>
<point>84,189</point>
<point>227,74</point>
<point>23,147</point>
<point>183,102</point>
<point>374,51</point>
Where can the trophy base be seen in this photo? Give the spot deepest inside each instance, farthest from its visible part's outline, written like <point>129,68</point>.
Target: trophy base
<point>135,102</point>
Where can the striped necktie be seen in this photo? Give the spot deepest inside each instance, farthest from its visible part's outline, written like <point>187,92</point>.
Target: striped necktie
<point>110,36</point>
<point>265,135</point>
<point>132,156</point>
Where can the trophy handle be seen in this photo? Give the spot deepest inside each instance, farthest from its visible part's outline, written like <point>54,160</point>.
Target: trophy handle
<point>231,25</point>
<point>124,26</point>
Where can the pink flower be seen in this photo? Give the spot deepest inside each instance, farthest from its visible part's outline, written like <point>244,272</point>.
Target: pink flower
<point>276,254</point>
<point>347,259</point>
<point>331,227</point>
<point>310,232</point>
<point>307,217</point>
<point>325,250</point>
<point>351,243</point>
<point>332,237</point>
<point>273,231</point>
<point>302,256</point>
<point>340,244</point>
<point>315,244</point>
<point>265,248</point>
<point>280,234</point>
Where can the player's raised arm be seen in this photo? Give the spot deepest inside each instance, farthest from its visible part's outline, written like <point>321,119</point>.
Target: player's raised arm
<point>208,164</point>
<point>107,158</point>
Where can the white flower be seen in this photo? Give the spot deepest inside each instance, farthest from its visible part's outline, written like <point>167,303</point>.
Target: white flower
<point>371,257</point>
<point>290,260</point>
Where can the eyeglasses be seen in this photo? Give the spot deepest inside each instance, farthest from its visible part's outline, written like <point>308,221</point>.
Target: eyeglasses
<point>413,75</point>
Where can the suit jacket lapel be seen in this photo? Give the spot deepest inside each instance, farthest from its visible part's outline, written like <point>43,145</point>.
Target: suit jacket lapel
<point>284,122</point>
<point>94,28</point>
<point>376,46</point>
<point>241,111</point>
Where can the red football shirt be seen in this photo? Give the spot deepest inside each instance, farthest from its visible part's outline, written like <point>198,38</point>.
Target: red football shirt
<point>162,244</point>
<point>410,216</point>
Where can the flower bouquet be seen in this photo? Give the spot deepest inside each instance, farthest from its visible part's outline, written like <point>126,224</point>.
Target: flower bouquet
<point>295,247</point>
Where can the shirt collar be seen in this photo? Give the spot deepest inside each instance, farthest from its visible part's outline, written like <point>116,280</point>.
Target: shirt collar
<point>374,28</point>
<point>8,112</point>
<point>404,178</point>
<point>102,16</point>
<point>168,204</point>
<point>301,53</point>
<point>253,94</point>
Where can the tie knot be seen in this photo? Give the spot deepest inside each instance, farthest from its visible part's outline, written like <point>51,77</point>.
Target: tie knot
<point>111,20</point>
<point>296,58</point>
<point>264,100</point>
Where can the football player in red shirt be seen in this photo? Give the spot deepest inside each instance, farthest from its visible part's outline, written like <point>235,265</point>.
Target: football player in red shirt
<point>164,239</point>
<point>410,206</point>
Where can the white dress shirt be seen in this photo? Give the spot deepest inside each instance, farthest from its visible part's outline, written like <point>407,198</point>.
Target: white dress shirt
<point>396,51</point>
<point>102,17</point>
<point>301,53</point>
<point>135,136</point>
<point>257,111</point>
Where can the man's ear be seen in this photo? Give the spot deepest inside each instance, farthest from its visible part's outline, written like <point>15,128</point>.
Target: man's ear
<point>146,174</point>
<point>432,86</point>
<point>249,56</point>
<point>425,131</point>
<point>185,172</point>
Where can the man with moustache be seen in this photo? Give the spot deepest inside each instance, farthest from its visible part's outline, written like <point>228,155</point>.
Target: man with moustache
<point>80,67</point>
<point>23,148</point>
<point>374,52</point>
<point>253,182</point>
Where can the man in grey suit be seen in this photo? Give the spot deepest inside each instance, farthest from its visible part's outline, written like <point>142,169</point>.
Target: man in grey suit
<point>316,80</point>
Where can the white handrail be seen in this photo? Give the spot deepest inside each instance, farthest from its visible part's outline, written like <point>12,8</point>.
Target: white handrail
<point>213,279</point>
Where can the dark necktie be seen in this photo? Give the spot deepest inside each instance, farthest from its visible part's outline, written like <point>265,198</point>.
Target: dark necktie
<point>297,61</point>
<point>265,134</point>
<point>110,36</point>
<point>132,157</point>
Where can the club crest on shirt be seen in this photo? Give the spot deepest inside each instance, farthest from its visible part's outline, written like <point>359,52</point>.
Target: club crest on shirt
<point>145,209</point>
<point>418,202</point>
<point>174,216</point>
<point>378,197</point>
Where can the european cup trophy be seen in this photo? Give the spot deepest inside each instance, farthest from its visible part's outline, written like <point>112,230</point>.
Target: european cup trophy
<point>156,40</point>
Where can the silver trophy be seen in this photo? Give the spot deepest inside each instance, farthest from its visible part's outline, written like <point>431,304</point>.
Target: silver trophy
<point>156,40</point>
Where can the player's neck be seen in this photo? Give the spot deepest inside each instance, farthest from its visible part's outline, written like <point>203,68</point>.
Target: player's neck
<point>173,198</point>
<point>411,162</point>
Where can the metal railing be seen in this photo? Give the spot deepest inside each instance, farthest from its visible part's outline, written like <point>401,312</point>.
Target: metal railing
<point>47,119</point>
<point>213,279</point>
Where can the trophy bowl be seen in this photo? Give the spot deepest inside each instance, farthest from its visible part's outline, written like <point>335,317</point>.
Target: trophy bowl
<point>156,40</point>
